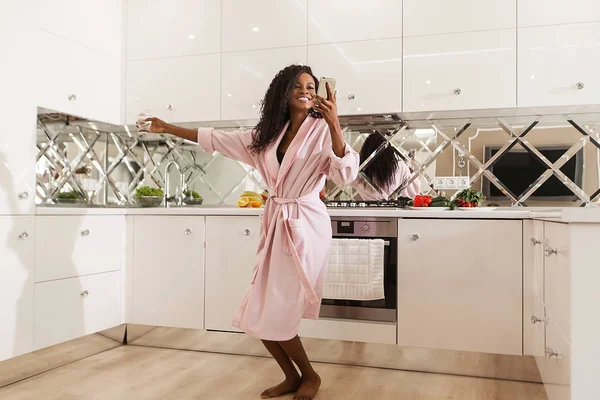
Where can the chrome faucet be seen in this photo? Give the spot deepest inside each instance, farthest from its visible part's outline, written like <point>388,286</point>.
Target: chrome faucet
<point>178,196</point>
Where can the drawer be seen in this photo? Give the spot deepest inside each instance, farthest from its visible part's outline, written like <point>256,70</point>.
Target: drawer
<point>557,272</point>
<point>349,330</point>
<point>70,246</point>
<point>555,367</point>
<point>70,308</point>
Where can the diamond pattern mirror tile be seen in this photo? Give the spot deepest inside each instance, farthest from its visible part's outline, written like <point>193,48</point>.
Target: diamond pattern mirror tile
<point>533,160</point>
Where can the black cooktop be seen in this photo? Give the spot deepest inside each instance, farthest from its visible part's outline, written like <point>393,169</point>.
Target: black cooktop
<point>366,204</point>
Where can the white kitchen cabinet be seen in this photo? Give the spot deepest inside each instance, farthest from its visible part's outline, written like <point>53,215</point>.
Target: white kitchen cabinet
<point>247,75</point>
<point>230,260</point>
<point>180,89</point>
<point>459,285</point>
<point>534,315</point>
<point>553,12</point>
<point>335,21</point>
<point>368,74</point>
<point>349,330</point>
<point>186,27</point>
<point>558,275</point>
<point>555,366</point>
<point>78,81</point>
<point>265,24</point>
<point>16,285</point>
<point>94,24</point>
<point>460,71</point>
<point>168,271</point>
<point>77,245</point>
<point>66,309</point>
<point>557,65</point>
<point>433,17</point>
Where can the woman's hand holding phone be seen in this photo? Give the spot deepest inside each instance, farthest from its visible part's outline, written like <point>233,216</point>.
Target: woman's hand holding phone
<point>328,106</point>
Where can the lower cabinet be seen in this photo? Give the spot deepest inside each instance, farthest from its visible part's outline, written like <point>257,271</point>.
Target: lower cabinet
<point>230,257</point>
<point>168,271</point>
<point>66,309</point>
<point>460,285</point>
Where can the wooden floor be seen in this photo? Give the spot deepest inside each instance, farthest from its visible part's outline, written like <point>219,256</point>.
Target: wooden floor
<point>136,372</point>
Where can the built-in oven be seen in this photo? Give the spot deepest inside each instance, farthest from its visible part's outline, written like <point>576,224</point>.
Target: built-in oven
<point>374,310</point>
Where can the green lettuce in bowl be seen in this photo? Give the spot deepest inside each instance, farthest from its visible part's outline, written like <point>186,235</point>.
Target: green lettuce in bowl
<point>147,196</point>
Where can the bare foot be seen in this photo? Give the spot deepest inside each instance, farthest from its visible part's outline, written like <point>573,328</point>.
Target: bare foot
<point>308,389</point>
<point>285,387</point>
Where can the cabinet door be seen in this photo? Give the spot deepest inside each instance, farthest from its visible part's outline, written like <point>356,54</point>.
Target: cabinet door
<point>79,81</point>
<point>168,271</point>
<point>434,17</point>
<point>368,74</point>
<point>180,89</point>
<point>267,24</point>
<point>70,308</point>
<point>95,24</point>
<point>558,275</point>
<point>555,368</point>
<point>16,285</point>
<point>78,245</point>
<point>18,108</point>
<point>556,65</point>
<point>187,27</point>
<point>230,260</point>
<point>460,71</point>
<point>247,75</point>
<point>334,21</point>
<point>460,285</point>
<point>533,288</point>
<point>554,12</point>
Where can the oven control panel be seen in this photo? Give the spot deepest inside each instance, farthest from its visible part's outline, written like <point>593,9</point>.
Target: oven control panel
<point>366,227</point>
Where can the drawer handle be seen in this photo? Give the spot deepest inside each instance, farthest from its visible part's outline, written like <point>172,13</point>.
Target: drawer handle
<point>415,237</point>
<point>85,232</point>
<point>535,242</point>
<point>550,251</point>
<point>457,92</point>
<point>351,96</point>
<point>550,352</point>
<point>188,232</point>
<point>85,293</point>
<point>23,235</point>
<point>23,196</point>
<point>535,320</point>
<point>72,97</point>
<point>169,107</point>
<point>579,85</point>
<point>247,232</point>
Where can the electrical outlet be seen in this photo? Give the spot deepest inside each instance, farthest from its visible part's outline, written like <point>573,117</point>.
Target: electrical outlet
<point>439,183</point>
<point>463,182</point>
<point>451,183</point>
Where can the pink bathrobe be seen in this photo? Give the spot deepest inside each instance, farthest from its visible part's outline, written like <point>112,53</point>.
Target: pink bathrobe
<point>295,234</point>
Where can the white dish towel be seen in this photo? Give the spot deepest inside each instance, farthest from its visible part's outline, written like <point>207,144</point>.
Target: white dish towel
<point>355,270</point>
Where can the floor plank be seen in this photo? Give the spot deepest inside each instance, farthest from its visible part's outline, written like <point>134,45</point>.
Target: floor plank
<point>135,372</point>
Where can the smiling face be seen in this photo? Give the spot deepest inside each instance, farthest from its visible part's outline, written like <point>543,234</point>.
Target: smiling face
<point>303,93</point>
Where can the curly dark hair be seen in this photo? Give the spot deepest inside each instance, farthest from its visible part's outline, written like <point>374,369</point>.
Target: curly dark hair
<point>274,110</point>
<point>382,169</point>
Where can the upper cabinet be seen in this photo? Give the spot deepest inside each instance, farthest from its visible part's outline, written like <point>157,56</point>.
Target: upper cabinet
<point>460,71</point>
<point>557,65</point>
<point>334,21</point>
<point>368,74</point>
<point>266,24</point>
<point>186,27</point>
<point>552,12</point>
<point>247,75</point>
<point>431,17</point>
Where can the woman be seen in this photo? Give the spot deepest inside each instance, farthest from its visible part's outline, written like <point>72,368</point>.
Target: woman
<point>386,171</point>
<point>296,144</point>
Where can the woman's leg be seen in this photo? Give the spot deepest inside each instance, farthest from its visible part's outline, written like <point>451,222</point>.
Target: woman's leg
<point>311,381</point>
<point>292,379</point>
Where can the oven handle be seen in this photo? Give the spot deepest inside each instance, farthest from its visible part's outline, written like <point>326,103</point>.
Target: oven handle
<point>386,243</point>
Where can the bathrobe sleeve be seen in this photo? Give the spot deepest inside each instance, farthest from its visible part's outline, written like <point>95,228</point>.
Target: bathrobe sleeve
<point>413,189</point>
<point>231,144</point>
<point>343,170</point>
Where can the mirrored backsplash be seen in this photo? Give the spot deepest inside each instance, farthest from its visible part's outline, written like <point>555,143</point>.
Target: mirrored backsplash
<point>537,160</point>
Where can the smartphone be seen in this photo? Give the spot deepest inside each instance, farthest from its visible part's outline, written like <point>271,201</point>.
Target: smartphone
<point>323,87</point>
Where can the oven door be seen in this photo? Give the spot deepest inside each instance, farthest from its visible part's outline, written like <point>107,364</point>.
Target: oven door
<point>376,310</point>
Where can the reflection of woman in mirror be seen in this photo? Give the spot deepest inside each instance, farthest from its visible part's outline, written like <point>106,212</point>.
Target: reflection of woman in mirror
<point>386,171</point>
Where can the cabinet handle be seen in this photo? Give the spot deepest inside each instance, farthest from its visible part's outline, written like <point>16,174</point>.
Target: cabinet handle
<point>188,232</point>
<point>457,91</point>
<point>414,237</point>
<point>550,251</point>
<point>550,352</point>
<point>351,96</point>
<point>169,107</point>
<point>247,232</point>
<point>84,293</point>
<point>85,232</point>
<point>23,196</point>
<point>535,242</point>
<point>72,97</point>
<point>535,320</point>
<point>579,85</point>
<point>23,235</point>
